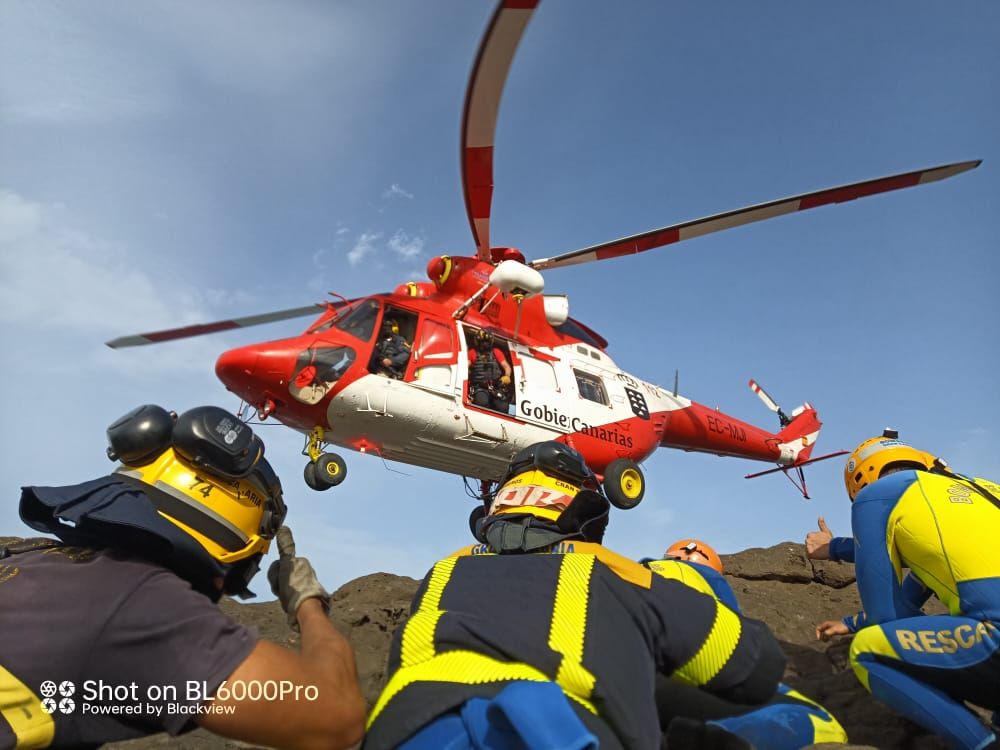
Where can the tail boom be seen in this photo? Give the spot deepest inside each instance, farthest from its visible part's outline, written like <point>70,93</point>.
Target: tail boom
<point>699,428</point>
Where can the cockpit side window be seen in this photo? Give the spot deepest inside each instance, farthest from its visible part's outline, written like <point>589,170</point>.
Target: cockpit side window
<point>360,321</point>
<point>316,371</point>
<point>591,387</point>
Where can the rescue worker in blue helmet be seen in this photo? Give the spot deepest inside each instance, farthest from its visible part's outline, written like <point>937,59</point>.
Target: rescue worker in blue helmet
<point>120,609</point>
<point>788,721</point>
<point>911,512</point>
<point>540,637</point>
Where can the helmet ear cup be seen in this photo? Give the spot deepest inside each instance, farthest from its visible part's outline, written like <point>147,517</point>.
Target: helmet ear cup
<point>586,515</point>
<point>477,520</point>
<point>212,439</point>
<point>139,437</point>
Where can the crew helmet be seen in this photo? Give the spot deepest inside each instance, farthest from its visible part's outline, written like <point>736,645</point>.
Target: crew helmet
<point>390,325</point>
<point>696,551</point>
<point>872,457</point>
<point>483,338</point>
<point>205,473</point>
<point>551,482</point>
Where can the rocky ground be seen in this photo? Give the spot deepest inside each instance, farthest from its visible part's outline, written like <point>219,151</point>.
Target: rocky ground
<point>777,585</point>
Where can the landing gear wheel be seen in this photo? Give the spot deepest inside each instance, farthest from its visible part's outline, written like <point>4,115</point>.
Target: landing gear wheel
<point>624,483</point>
<point>331,469</point>
<point>309,474</point>
<point>478,513</point>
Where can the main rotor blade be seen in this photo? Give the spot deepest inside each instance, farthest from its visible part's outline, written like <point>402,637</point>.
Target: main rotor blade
<point>200,329</point>
<point>639,243</point>
<point>479,116</point>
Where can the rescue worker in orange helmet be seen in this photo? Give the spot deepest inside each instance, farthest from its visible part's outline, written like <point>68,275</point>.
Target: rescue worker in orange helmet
<point>910,511</point>
<point>126,598</point>
<point>787,721</point>
<point>540,637</point>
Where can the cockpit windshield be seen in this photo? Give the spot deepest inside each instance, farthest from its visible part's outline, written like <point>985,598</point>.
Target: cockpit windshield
<point>360,320</point>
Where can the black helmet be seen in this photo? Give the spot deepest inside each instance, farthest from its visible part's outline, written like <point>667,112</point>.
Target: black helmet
<point>549,487</point>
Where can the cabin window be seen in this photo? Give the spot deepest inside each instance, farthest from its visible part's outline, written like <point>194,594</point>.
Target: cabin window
<point>591,387</point>
<point>360,320</point>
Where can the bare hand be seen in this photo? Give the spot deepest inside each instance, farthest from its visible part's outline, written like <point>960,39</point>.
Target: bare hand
<point>386,362</point>
<point>829,628</point>
<point>818,542</point>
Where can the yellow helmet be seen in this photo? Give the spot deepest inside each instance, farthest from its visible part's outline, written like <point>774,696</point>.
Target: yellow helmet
<point>866,464</point>
<point>206,474</point>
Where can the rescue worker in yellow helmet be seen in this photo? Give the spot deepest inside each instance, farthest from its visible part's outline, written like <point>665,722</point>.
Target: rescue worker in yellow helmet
<point>788,721</point>
<point>539,637</point>
<point>120,611</point>
<point>910,511</point>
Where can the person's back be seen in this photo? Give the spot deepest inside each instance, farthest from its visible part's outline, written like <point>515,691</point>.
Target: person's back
<point>538,604</point>
<point>83,618</point>
<point>943,529</point>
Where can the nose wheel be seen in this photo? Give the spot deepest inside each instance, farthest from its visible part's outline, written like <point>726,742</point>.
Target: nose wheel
<point>324,470</point>
<point>624,483</point>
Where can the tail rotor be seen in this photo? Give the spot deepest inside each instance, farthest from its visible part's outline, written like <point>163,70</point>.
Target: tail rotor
<point>769,402</point>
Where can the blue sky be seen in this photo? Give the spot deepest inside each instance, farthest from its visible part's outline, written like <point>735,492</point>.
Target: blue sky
<point>165,164</point>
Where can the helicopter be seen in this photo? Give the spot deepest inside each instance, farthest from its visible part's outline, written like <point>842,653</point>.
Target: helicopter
<point>330,382</point>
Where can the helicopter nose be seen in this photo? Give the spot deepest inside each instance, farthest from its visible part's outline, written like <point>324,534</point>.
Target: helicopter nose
<point>238,370</point>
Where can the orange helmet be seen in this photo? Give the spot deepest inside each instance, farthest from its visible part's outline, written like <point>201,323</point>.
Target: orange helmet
<point>866,464</point>
<point>695,551</point>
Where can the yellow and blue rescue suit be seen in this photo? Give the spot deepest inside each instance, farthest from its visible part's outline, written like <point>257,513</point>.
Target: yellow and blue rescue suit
<point>788,721</point>
<point>944,529</point>
<point>558,648</point>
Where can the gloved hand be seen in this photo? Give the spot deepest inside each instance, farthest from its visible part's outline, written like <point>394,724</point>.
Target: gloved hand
<point>505,379</point>
<point>293,579</point>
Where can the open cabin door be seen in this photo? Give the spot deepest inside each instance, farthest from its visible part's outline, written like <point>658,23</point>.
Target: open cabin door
<point>433,364</point>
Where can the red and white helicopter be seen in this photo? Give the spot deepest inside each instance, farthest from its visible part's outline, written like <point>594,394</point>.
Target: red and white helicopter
<point>327,382</point>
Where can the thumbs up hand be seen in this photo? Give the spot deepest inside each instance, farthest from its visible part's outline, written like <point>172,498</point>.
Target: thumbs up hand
<point>293,579</point>
<point>818,542</point>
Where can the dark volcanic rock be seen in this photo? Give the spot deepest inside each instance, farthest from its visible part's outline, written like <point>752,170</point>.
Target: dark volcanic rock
<point>777,585</point>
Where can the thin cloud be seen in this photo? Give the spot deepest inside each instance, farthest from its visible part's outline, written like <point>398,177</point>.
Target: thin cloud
<point>395,191</point>
<point>363,247</point>
<point>405,246</point>
<point>87,287</point>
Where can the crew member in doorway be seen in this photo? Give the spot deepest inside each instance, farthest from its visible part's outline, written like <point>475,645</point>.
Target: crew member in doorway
<point>392,351</point>
<point>489,374</point>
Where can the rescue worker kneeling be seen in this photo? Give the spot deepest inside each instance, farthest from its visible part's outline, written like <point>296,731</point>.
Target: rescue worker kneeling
<point>539,637</point>
<point>910,511</point>
<point>121,613</point>
<point>787,721</point>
